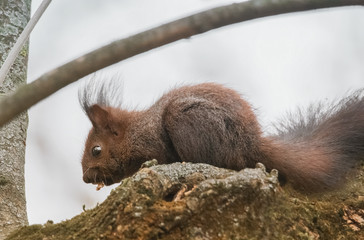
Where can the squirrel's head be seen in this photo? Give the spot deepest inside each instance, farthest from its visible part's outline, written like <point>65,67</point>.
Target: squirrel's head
<point>105,158</point>
<point>102,160</point>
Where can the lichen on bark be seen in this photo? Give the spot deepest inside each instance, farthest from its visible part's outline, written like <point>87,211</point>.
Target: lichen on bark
<point>14,15</point>
<point>199,201</point>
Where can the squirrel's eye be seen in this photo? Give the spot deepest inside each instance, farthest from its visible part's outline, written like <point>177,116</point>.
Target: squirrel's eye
<point>96,151</point>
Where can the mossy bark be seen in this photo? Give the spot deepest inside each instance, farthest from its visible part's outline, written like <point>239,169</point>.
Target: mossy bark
<point>14,15</point>
<point>199,201</point>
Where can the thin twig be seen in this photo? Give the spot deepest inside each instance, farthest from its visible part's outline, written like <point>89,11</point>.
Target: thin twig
<point>22,39</point>
<point>30,94</point>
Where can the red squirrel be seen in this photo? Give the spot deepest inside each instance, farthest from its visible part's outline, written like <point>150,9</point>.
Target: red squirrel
<point>209,123</point>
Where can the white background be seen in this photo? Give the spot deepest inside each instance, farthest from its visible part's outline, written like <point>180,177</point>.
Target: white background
<point>276,63</point>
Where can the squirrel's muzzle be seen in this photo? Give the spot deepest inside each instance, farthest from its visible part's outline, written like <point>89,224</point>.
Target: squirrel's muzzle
<point>96,176</point>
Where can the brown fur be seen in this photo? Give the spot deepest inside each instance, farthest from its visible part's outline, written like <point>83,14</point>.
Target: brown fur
<point>212,124</point>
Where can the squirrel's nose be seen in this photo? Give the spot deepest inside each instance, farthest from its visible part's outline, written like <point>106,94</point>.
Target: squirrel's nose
<point>92,175</point>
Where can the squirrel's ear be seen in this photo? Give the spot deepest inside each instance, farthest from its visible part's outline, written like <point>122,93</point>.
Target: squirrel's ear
<point>102,120</point>
<point>99,117</point>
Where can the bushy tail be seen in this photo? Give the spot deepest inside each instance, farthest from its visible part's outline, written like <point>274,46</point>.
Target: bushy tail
<point>317,148</point>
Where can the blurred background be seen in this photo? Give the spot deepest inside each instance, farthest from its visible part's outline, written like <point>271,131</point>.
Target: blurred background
<point>276,63</point>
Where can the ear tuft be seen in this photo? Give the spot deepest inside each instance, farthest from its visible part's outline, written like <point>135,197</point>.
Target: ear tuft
<point>97,97</point>
<point>102,91</point>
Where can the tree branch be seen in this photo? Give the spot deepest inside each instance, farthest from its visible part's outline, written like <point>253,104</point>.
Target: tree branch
<point>30,94</point>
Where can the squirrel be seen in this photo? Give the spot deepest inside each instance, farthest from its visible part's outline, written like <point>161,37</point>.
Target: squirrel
<point>209,123</point>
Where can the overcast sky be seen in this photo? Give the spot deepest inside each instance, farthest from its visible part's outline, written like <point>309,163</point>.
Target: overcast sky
<point>276,63</point>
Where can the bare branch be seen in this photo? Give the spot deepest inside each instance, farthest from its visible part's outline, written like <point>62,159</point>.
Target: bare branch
<point>30,94</point>
<point>22,39</point>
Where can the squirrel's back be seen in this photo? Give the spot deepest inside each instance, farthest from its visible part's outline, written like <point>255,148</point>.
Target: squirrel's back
<point>213,124</point>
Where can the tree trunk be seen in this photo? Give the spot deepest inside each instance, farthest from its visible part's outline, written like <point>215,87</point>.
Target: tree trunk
<point>14,15</point>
